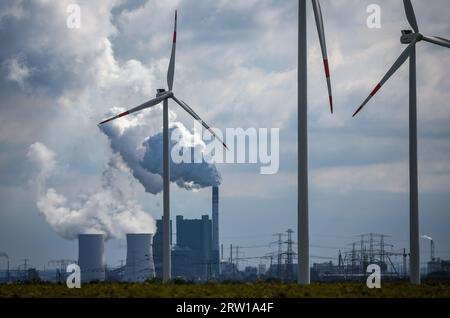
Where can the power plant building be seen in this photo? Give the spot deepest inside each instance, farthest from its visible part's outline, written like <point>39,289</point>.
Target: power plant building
<point>196,254</point>
<point>192,257</point>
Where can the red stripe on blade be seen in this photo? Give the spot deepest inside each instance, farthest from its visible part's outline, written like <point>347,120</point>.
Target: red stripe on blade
<point>123,114</point>
<point>327,69</point>
<point>375,90</point>
<point>174,37</point>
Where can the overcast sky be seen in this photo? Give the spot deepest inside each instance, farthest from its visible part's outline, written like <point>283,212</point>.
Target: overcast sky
<point>237,66</point>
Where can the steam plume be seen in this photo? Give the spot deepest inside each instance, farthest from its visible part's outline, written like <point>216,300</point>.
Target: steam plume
<point>106,210</point>
<point>143,155</point>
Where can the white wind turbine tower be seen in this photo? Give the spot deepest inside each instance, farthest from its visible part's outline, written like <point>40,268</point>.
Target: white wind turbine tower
<point>411,38</point>
<point>302,205</point>
<point>162,96</point>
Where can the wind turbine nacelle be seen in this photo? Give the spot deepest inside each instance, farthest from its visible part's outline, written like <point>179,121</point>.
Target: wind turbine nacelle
<point>160,91</point>
<point>407,36</point>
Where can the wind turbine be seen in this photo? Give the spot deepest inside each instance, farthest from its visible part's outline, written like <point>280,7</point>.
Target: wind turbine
<point>302,204</point>
<point>411,38</point>
<point>163,96</point>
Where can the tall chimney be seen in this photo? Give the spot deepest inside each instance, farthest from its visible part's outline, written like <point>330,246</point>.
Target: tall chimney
<point>432,250</point>
<point>215,232</point>
<point>215,218</point>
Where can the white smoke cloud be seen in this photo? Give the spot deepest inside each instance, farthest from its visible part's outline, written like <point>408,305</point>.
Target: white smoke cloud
<point>129,137</point>
<point>105,210</point>
<point>44,160</point>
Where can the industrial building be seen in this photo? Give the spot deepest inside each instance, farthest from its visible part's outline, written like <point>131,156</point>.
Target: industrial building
<point>195,256</point>
<point>192,260</point>
<point>436,267</point>
<point>192,257</point>
<point>192,253</point>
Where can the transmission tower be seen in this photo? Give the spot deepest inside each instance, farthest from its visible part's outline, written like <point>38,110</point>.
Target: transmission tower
<point>289,256</point>
<point>279,242</point>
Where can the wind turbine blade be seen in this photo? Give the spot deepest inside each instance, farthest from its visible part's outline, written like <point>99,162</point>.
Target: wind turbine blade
<point>437,40</point>
<point>191,112</point>
<point>148,104</point>
<point>410,15</point>
<point>171,69</point>
<point>323,46</point>
<point>400,60</point>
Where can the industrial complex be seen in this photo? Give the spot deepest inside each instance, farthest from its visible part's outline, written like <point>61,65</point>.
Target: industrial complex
<point>198,256</point>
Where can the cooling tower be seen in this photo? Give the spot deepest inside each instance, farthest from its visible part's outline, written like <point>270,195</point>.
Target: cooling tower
<point>139,266</point>
<point>91,257</point>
